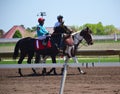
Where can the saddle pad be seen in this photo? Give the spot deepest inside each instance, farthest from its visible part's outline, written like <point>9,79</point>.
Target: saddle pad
<point>40,46</point>
<point>69,41</point>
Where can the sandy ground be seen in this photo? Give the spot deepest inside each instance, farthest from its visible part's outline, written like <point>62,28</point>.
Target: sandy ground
<point>98,80</point>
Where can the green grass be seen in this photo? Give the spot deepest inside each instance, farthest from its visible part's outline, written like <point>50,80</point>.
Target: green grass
<point>80,59</point>
<point>106,41</point>
<point>7,44</point>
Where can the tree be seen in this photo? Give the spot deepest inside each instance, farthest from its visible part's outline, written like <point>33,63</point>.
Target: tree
<point>1,32</point>
<point>110,29</point>
<point>17,34</point>
<point>75,28</point>
<point>31,29</point>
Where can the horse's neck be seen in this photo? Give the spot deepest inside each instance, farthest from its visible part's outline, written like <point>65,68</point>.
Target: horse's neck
<point>77,39</point>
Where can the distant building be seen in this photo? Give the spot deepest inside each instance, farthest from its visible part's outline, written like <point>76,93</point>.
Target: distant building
<point>50,29</point>
<point>22,30</point>
<point>12,31</point>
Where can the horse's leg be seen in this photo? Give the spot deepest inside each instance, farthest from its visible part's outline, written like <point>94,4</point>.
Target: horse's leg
<point>30,56</point>
<point>53,69</point>
<point>22,56</point>
<point>66,60</point>
<point>54,61</point>
<point>37,58</point>
<point>76,61</point>
<point>44,61</point>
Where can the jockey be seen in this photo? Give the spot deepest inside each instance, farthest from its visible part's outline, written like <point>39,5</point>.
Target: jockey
<point>41,31</point>
<point>60,21</point>
<point>59,38</point>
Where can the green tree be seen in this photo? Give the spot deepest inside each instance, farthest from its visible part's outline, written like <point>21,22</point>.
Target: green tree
<point>1,32</point>
<point>31,29</point>
<point>100,29</point>
<point>75,28</point>
<point>110,29</point>
<point>17,34</point>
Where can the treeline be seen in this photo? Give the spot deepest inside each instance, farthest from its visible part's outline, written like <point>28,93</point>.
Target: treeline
<point>99,29</point>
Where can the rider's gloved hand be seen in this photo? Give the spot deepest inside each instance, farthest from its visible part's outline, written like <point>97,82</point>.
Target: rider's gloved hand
<point>47,34</point>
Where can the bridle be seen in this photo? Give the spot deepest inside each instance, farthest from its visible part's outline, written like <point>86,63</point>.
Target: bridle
<point>78,38</point>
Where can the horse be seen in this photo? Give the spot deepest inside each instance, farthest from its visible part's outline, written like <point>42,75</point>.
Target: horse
<point>70,50</point>
<point>27,47</point>
<point>85,34</point>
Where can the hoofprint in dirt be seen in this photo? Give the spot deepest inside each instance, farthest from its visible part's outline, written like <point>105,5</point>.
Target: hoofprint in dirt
<point>98,80</point>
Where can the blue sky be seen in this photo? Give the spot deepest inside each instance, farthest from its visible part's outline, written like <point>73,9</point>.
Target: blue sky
<point>75,12</point>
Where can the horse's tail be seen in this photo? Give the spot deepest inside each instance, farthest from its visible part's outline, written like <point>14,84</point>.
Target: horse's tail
<point>16,50</point>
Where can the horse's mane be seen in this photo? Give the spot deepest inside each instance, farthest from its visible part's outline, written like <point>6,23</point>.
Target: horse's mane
<point>75,33</point>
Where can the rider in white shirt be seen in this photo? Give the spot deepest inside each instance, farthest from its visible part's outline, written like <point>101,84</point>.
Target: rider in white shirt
<point>60,21</point>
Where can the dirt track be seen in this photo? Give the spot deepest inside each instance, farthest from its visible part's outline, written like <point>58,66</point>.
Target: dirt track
<point>97,81</point>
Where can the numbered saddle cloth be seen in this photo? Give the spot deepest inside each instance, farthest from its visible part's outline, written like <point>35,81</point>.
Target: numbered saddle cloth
<point>39,45</point>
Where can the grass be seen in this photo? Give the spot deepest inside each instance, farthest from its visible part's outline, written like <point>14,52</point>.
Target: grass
<point>80,59</point>
<point>106,41</point>
<point>7,44</point>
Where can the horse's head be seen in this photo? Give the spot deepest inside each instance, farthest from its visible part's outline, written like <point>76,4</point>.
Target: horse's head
<point>86,34</point>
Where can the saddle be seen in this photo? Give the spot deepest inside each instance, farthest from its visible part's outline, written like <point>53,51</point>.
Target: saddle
<point>39,44</point>
<point>69,40</point>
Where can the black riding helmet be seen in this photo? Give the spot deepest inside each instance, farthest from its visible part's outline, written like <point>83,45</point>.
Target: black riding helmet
<point>59,17</point>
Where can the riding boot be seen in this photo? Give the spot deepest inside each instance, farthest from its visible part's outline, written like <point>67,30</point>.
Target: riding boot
<point>44,42</point>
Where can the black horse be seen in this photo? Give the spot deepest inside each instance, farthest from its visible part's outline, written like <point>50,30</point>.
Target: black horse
<point>27,47</point>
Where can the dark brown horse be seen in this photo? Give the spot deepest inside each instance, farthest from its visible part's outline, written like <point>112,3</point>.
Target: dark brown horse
<point>27,48</point>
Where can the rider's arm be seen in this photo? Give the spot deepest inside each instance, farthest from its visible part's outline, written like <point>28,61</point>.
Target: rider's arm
<point>41,31</point>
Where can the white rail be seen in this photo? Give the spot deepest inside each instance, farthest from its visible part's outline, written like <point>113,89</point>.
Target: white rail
<point>11,66</point>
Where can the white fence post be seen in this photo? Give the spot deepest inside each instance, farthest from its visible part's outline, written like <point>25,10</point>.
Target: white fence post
<point>63,79</point>
<point>115,37</point>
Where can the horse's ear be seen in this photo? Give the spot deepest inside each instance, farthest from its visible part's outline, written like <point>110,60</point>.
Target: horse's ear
<point>88,30</point>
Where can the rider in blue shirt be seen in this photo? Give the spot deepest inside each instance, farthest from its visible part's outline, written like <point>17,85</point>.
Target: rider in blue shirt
<point>42,31</point>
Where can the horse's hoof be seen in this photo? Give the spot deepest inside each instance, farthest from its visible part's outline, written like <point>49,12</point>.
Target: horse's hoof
<point>55,73</point>
<point>21,74</point>
<point>61,73</point>
<point>44,73</point>
<point>82,72</point>
<point>48,73</point>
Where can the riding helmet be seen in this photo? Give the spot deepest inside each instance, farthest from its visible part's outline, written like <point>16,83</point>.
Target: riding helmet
<point>59,17</point>
<point>41,19</point>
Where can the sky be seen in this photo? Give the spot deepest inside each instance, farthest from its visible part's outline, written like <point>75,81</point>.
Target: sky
<point>75,12</point>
